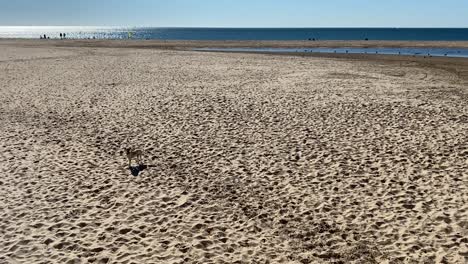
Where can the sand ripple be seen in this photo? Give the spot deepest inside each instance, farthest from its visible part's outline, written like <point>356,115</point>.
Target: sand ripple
<point>251,159</point>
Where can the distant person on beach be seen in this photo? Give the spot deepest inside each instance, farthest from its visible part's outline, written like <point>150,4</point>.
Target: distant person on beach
<point>60,35</point>
<point>64,35</point>
<point>45,37</point>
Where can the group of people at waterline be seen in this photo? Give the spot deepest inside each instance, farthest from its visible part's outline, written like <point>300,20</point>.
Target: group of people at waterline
<point>62,36</point>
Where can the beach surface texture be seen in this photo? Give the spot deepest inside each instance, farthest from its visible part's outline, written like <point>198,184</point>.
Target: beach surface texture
<point>248,158</point>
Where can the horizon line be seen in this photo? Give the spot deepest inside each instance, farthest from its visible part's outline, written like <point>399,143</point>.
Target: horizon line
<point>231,27</point>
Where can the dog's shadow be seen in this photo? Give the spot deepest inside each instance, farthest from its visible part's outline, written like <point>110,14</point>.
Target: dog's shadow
<point>136,170</point>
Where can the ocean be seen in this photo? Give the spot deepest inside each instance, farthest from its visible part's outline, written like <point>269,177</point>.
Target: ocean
<point>421,34</point>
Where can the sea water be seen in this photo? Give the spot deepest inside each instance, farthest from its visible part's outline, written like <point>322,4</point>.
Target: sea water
<point>416,34</point>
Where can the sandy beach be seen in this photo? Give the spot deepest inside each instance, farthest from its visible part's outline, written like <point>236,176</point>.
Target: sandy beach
<point>184,45</point>
<point>250,158</point>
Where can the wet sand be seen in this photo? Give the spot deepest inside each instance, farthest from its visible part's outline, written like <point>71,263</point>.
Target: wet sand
<point>184,45</point>
<point>251,158</point>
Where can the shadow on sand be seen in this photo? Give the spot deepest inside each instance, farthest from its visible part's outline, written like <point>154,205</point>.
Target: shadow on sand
<point>135,170</point>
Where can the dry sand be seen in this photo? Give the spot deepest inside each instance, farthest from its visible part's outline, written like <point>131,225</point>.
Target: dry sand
<point>252,158</point>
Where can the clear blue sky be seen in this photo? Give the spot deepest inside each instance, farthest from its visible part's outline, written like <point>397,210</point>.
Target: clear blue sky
<point>235,13</point>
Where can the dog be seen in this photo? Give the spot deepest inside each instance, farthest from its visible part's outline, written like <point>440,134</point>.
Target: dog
<point>133,155</point>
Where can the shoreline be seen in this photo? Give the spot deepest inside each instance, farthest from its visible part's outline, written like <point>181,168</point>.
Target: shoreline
<point>182,44</point>
<point>458,66</point>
